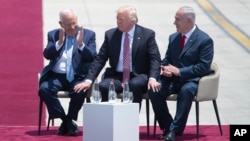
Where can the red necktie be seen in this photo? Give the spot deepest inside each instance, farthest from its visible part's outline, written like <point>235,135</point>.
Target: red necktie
<point>126,58</point>
<point>182,41</point>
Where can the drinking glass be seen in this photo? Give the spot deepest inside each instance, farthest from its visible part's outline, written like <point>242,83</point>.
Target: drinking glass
<point>96,97</point>
<point>126,97</point>
<point>131,97</point>
<point>112,97</point>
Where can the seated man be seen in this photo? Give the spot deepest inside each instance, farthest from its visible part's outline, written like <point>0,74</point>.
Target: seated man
<point>133,55</point>
<point>70,50</point>
<point>186,61</point>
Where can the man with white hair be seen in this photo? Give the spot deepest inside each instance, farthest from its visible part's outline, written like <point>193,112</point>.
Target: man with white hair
<point>70,50</point>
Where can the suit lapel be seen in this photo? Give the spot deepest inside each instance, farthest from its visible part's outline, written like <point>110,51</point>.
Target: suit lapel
<point>190,42</point>
<point>136,40</point>
<point>117,46</point>
<point>75,47</point>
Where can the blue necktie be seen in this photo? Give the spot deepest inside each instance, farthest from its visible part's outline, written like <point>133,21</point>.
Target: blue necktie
<point>69,50</point>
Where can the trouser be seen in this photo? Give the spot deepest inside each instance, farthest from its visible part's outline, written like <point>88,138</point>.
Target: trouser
<point>137,85</point>
<point>186,92</point>
<point>48,92</point>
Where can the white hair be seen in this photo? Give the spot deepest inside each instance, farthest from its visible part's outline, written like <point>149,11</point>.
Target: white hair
<point>189,12</point>
<point>65,12</point>
<point>131,12</point>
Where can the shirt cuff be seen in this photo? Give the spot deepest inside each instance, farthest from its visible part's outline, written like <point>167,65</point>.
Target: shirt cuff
<point>57,46</point>
<point>151,78</point>
<point>81,47</point>
<point>88,80</point>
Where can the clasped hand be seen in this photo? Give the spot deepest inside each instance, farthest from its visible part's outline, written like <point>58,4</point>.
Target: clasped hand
<point>170,70</point>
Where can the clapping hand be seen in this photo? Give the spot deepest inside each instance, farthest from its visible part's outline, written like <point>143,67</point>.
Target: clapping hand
<point>79,37</point>
<point>61,36</point>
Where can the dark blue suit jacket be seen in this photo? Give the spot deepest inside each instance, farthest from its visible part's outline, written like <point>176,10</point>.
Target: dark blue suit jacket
<point>195,59</point>
<point>81,60</point>
<point>145,54</point>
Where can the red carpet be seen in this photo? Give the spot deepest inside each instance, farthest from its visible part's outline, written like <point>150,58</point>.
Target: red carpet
<point>29,133</point>
<point>21,59</point>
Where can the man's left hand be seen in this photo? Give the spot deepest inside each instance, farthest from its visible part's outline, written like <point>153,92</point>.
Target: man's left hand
<point>154,85</point>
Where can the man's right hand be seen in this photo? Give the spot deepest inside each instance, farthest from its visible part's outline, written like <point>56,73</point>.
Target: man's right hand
<point>61,37</point>
<point>165,71</point>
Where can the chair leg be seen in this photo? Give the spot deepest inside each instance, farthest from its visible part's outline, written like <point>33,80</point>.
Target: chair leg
<point>49,123</point>
<point>147,114</point>
<point>197,119</point>
<point>40,116</point>
<point>217,116</point>
<point>53,122</point>
<point>88,99</point>
<point>155,122</point>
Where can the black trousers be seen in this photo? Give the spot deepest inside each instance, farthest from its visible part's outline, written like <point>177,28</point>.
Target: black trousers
<point>186,92</point>
<point>48,89</point>
<point>137,85</point>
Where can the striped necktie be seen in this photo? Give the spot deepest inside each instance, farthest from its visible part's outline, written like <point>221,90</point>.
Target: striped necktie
<point>126,58</point>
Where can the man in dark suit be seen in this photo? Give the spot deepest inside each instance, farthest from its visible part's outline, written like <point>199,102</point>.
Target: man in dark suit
<point>70,49</point>
<point>181,71</point>
<point>144,62</point>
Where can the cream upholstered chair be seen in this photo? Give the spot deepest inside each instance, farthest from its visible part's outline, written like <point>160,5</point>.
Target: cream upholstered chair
<point>207,91</point>
<point>60,94</point>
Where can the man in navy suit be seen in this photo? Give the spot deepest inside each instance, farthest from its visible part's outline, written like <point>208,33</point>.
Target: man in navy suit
<point>144,63</point>
<point>69,49</point>
<point>181,71</point>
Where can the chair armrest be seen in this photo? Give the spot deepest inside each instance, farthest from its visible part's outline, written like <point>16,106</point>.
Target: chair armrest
<point>63,94</point>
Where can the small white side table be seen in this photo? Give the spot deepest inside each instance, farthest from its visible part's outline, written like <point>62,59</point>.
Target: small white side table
<point>111,122</point>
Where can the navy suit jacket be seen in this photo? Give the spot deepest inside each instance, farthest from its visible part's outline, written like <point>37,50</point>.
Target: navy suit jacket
<point>196,57</point>
<point>145,53</point>
<point>81,60</point>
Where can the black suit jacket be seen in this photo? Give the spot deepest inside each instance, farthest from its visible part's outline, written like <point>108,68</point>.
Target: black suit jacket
<point>81,60</point>
<point>145,53</point>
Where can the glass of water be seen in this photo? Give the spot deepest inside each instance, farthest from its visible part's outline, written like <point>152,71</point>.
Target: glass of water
<point>131,97</point>
<point>126,97</point>
<point>96,97</point>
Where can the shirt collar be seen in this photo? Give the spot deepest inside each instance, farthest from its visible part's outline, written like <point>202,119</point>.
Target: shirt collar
<point>131,32</point>
<point>190,32</point>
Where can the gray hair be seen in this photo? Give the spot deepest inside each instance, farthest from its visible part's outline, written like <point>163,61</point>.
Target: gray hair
<point>65,12</point>
<point>188,12</point>
<point>131,12</point>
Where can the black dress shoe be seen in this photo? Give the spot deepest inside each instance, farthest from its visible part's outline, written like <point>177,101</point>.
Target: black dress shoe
<point>72,128</point>
<point>178,134</point>
<point>170,136</point>
<point>62,130</point>
<point>162,136</point>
